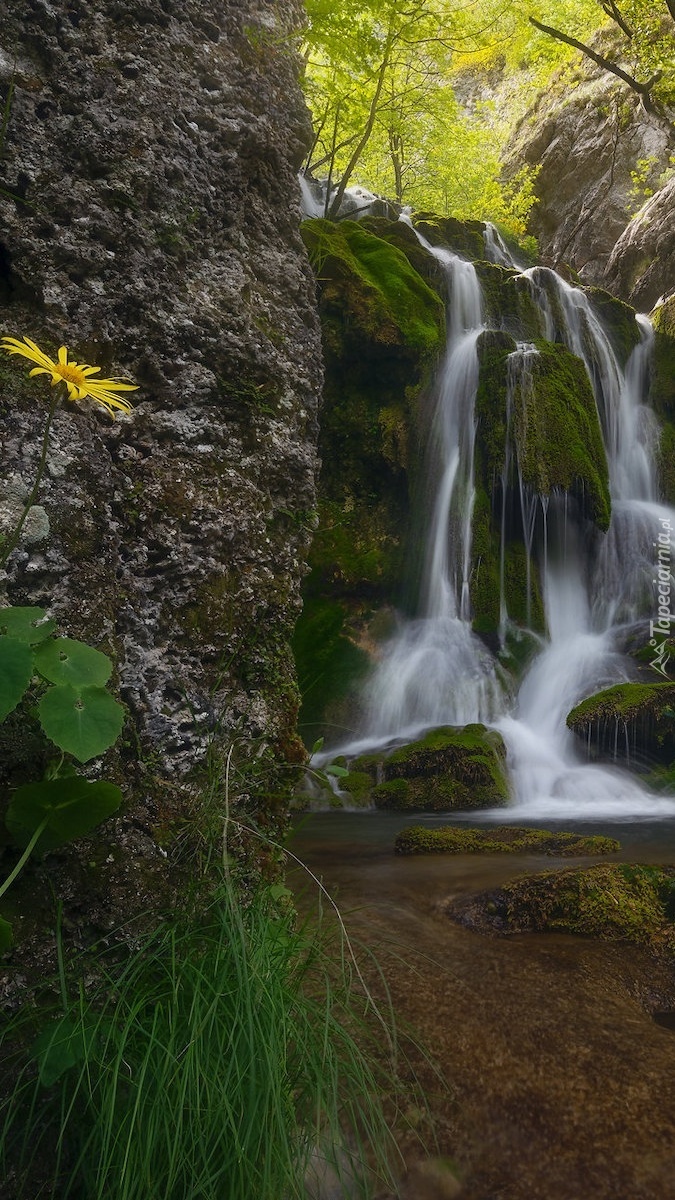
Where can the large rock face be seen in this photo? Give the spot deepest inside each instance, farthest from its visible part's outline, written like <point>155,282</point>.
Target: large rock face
<point>598,152</point>
<point>149,220</point>
<point>642,263</point>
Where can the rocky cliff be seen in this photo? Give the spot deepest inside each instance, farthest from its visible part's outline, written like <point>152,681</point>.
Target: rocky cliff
<point>149,221</point>
<point>600,154</point>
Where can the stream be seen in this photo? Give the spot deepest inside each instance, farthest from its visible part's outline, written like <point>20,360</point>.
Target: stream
<point>556,1053</point>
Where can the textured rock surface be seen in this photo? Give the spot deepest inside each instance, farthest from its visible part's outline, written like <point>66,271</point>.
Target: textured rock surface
<point>588,137</point>
<point>642,264</point>
<point>149,219</point>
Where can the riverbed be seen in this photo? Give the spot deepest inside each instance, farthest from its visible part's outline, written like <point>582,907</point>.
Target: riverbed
<point>554,1055</point>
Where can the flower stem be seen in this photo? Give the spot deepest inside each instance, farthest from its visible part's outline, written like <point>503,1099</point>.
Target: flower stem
<point>13,540</point>
<point>24,857</point>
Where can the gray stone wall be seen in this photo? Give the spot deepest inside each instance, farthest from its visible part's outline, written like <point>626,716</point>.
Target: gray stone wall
<point>148,220</point>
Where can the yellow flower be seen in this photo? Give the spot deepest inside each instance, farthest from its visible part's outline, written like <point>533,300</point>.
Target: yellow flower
<point>76,376</point>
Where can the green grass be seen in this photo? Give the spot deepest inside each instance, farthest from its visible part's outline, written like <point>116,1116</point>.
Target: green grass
<point>209,1064</point>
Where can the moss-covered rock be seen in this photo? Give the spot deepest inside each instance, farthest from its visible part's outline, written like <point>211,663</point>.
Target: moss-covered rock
<point>635,721</point>
<point>663,392</point>
<point>501,839</point>
<point>508,301</point>
<point>555,442</point>
<point>617,902</point>
<point>554,425</point>
<point>449,769</point>
<point>618,320</point>
<point>465,238</point>
<point>383,331</point>
<point>380,297</point>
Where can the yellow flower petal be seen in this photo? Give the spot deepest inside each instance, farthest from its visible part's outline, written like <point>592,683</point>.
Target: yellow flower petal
<point>76,376</point>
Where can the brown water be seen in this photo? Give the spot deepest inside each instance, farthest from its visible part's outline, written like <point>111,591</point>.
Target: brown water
<point>558,1084</point>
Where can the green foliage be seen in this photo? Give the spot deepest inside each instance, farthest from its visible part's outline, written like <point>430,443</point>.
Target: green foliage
<point>66,809</point>
<point>76,713</point>
<point>211,1062</point>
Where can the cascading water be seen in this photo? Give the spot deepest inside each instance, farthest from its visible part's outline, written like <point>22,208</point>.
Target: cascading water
<point>435,671</point>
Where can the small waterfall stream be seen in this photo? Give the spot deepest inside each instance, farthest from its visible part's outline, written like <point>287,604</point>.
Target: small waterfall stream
<point>435,671</point>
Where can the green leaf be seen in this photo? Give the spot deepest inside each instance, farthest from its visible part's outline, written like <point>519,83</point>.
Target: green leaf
<point>82,721</point>
<point>318,745</point>
<point>26,624</point>
<point>16,672</point>
<point>336,772</point>
<point>62,1045</point>
<point>6,936</point>
<point>71,807</point>
<point>64,660</point>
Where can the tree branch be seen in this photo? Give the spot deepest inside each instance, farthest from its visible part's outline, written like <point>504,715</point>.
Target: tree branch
<point>612,11</point>
<point>642,89</point>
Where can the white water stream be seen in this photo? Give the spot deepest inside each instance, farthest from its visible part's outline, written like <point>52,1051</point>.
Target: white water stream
<point>435,671</point>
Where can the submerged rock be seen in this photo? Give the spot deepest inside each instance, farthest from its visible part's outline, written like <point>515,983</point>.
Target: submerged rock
<point>634,903</point>
<point>502,839</point>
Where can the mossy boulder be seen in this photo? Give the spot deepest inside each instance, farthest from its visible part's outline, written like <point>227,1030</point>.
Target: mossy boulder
<point>618,321</point>
<point>501,839</point>
<point>632,721</point>
<point>555,442</point>
<point>465,238</point>
<point>663,392</point>
<point>554,425</point>
<point>508,301</point>
<point>615,902</point>
<point>450,769</point>
<point>401,235</point>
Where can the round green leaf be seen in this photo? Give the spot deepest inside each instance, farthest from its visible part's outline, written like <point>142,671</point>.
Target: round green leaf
<point>6,936</point>
<point>64,660</point>
<point>62,1045</point>
<point>82,721</point>
<point>26,624</point>
<point>72,808</point>
<point>16,672</point>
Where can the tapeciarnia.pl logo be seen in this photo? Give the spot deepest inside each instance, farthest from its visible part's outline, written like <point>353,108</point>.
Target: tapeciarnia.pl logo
<point>659,629</point>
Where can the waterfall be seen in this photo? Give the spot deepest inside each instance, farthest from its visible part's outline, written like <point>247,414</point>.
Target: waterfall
<point>589,605</point>
<point>435,671</point>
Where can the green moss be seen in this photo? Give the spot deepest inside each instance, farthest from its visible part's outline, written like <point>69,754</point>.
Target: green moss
<point>639,713</point>
<point>613,902</point>
<point>554,425</point>
<point>508,301</point>
<point>500,840</point>
<point>399,234</point>
<point>329,665</point>
<point>663,376</point>
<point>448,769</point>
<point>618,320</point>
<point>462,237</point>
<point>379,290</point>
<point>666,460</point>
<point>359,785</point>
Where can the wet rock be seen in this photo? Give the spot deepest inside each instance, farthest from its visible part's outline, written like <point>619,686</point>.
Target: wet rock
<point>450,769</point>
<point>502,839</point>
<point>641,266</point>
<point>618,902</point>
<point>631,723</point>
